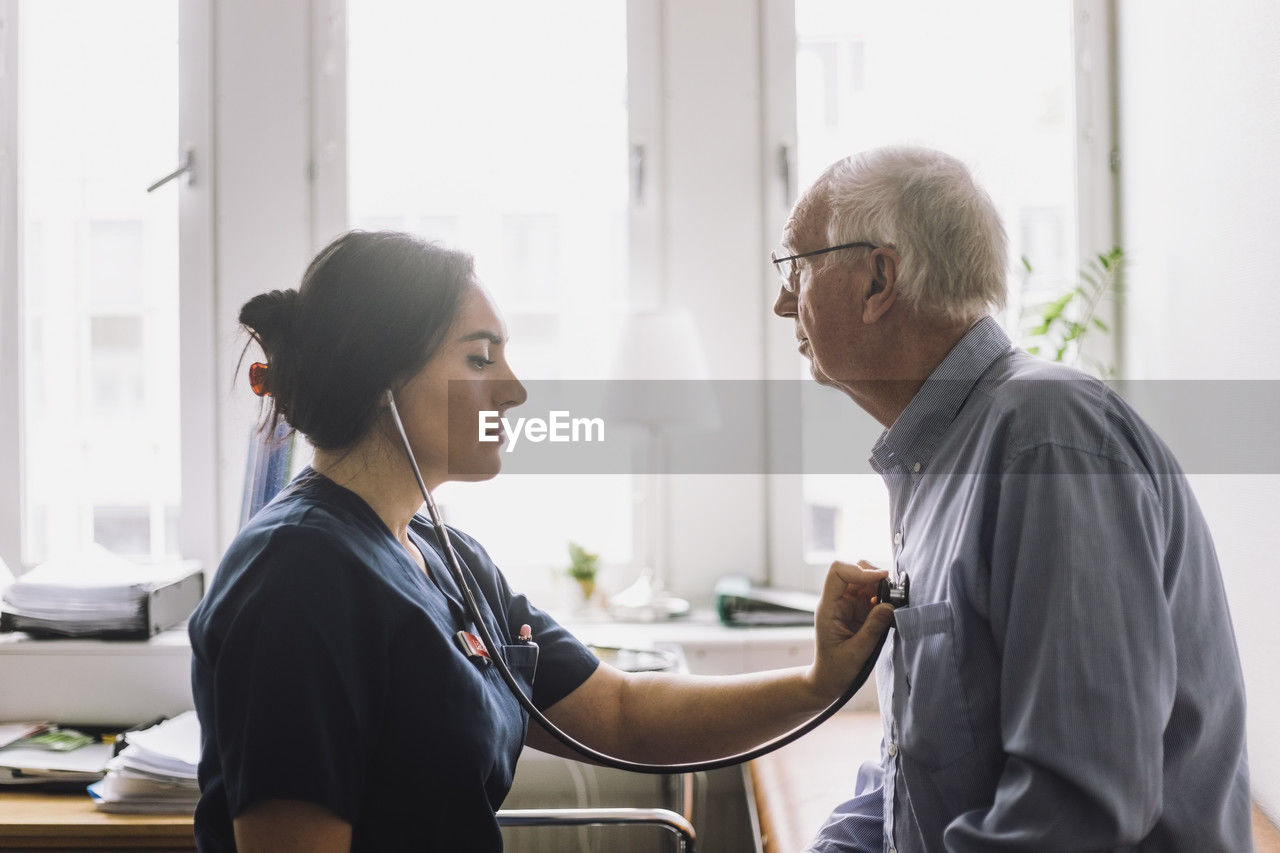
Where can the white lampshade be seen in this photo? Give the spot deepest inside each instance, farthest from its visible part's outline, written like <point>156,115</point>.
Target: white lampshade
<point>659,345</point>
<point>663,347</point>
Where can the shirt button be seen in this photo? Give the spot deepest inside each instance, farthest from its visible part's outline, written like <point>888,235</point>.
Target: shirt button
<point>893,749</point>
<point>897,538</point>
<point>916,468</point>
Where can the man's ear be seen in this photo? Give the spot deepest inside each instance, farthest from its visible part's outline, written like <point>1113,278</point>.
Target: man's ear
<point>882,292</point>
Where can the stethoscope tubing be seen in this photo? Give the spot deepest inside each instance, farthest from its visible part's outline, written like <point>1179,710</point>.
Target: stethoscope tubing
<point>593,755</point>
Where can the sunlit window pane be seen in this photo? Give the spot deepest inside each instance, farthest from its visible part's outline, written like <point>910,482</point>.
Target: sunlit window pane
<point>991,83</point>
<point>450,138</point>
<point>98,123</point>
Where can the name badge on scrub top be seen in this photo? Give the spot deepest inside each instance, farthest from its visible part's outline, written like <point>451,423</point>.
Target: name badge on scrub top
<point>473,647</point>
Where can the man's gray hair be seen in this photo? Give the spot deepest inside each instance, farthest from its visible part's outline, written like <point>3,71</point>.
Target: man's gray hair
<point>926,205</point>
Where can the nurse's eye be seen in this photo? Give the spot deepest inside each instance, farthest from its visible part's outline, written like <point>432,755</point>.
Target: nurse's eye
<point>479,362</point>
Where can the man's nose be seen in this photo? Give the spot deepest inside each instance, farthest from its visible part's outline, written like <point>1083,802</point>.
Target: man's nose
<point>785,304</point>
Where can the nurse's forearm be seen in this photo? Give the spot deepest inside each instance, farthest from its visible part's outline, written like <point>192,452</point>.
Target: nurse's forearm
<point>662,718</point>
<point>669,718</point>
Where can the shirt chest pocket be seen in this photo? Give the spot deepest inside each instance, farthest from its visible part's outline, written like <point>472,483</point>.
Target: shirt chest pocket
<point>934,727</point>
<point>522,660</point>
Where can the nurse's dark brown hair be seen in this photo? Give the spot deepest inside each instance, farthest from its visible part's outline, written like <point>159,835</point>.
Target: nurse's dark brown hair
<point>372,309</point>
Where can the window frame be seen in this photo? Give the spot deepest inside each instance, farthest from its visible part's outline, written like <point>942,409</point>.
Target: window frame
<point>198,350</point>
<point>195,290</point>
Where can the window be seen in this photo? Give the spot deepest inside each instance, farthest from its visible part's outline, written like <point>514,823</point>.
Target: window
<point>529,172</point>
<point>626,168</point>
<point>1003,104</point>
<point>97,104</point>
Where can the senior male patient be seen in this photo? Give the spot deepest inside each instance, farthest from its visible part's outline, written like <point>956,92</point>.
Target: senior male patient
<point>1065,677</point>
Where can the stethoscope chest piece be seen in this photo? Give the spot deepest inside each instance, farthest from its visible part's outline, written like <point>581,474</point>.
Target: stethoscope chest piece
<point>899,595</point>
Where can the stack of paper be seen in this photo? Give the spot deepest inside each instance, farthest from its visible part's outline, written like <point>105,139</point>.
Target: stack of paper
<point>93,593</point>
<point>156,772</point>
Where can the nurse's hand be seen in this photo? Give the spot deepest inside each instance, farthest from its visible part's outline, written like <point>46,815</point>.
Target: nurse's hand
<point>847,627</point>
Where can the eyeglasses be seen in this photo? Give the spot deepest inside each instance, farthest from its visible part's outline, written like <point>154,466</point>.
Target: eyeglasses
<point>790,271</point>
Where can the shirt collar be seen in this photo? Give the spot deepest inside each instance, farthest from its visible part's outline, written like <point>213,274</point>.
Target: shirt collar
<point>911,440</point>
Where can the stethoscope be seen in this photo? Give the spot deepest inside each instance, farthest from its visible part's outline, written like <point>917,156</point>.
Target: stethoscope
<point>897,595</point>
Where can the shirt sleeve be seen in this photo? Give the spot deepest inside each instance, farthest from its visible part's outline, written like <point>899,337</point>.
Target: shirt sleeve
<point>1078,612</point>
<point>564,663</point>
<point>856,825</point>
<point>299,678</point>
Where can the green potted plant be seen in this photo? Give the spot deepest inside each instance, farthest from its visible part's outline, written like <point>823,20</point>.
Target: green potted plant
<point>583,566</point>
<point>1056,329</point>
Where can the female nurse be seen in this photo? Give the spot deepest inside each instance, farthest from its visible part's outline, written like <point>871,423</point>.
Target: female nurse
<point>337,708</point>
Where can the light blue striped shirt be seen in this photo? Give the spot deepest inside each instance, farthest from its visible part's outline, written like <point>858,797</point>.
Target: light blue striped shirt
<point>1066,675</point>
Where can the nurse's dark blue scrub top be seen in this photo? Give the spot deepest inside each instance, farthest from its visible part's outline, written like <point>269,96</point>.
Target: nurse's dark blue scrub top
<point>324,669</point>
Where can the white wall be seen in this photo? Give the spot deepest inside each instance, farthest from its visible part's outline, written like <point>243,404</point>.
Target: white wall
<point>1200,179</point>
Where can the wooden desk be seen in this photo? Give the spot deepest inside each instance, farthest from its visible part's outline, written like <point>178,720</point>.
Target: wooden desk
<point>69,822</point>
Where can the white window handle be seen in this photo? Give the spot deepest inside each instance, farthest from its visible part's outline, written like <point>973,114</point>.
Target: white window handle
<point>186,167</point>
<point>638,175</point>
<point>787,175</point>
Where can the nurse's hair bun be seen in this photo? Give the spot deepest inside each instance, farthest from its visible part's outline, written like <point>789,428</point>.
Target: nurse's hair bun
<point>372,309</point>
<point>269,317</point>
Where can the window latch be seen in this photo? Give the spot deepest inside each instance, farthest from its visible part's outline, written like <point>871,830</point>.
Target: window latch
<point>186,167</point>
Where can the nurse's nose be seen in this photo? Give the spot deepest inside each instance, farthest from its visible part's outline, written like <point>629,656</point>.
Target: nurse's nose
<point>509,391</point>
<point>518,396</point>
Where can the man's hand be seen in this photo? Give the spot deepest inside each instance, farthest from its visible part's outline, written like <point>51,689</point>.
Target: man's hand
<point>847,627</point>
